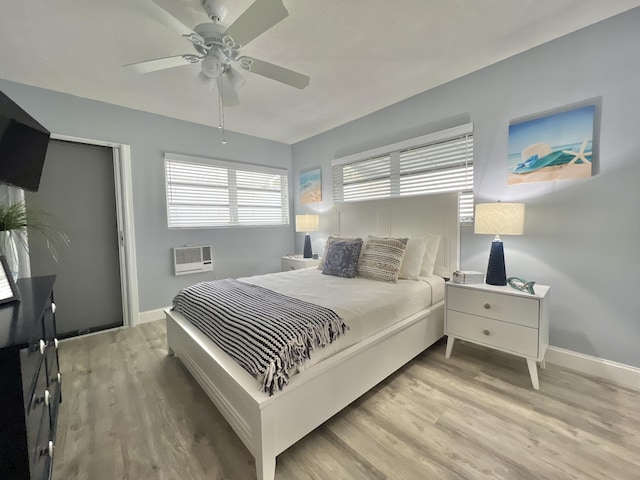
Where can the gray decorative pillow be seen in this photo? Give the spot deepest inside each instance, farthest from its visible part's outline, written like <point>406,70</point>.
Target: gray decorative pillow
<point>341,259</point>
<point>333,239</point>
<point>382,258</point>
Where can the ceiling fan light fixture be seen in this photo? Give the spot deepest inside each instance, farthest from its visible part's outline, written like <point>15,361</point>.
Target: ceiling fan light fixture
<point>207,80</point>
<point>236,81</point>
<point>212,66</point>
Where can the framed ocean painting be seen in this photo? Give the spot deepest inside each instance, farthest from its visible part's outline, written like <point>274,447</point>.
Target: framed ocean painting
<point>311,186</point>
<point>558,146</point>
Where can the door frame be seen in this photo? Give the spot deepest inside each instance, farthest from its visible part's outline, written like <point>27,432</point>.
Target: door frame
<point>126,227</point>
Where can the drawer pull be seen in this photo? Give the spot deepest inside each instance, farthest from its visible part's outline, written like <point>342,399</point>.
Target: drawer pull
<point>487,332</point>
<point>53,307</point>
<point>42,345</point>
<point>487,306</point>
<point>48,450</point>
<point>57,378</point>
<point>56,343</point>
<point>44,398</point>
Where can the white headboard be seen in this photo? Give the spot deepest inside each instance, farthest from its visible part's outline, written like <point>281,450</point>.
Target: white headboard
<point>404,217</point>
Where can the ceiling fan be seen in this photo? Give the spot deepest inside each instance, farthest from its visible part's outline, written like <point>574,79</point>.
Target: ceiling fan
<point>218,47</point>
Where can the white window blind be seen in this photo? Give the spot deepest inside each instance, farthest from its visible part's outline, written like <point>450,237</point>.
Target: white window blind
<point>219,193</point>
<point>363,180</point>
<point>436,163</point>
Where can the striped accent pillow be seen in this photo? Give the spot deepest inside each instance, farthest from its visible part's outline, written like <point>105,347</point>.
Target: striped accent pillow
<point>382,258</point>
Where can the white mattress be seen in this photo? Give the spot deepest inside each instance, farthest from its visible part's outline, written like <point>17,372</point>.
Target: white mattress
<point>366,306</point>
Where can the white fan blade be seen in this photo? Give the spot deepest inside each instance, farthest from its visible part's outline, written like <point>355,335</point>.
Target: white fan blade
<point>233,80</point>
<point>207,80</point>
<point>166,18</point>
<point>162,63</point>
<point>269,70</point>
<point>257,19</point>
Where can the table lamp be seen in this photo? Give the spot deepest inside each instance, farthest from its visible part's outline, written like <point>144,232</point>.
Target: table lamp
<point>307,223</point>
<point>498,219</point>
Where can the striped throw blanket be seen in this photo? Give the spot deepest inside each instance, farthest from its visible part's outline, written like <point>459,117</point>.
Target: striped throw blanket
<point>267,333</point>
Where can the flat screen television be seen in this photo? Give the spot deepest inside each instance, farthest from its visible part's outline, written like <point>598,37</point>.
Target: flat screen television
<point>23,146</point>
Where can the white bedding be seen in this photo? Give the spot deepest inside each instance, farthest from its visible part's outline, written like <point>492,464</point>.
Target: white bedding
<point>366,306</point>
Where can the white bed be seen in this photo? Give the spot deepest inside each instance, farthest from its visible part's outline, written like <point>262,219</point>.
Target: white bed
<point>366,306</point>
<point>371,351</point>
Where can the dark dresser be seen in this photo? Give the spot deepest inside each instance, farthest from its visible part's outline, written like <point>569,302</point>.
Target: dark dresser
<point>30,389</point>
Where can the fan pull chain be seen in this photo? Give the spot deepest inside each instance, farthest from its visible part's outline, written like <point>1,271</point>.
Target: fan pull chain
<point>221,111</point>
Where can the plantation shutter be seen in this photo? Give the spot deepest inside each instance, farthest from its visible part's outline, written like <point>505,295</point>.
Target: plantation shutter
<point>364,180</point>
<point>219,193</point>
<point>436,163</point>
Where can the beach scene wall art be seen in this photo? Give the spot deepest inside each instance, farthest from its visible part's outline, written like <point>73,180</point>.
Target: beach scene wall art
<point>311,186</point>
<point>554,147</point>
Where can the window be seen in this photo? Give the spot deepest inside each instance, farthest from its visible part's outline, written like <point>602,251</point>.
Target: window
<point>220,194</point>
<point>435,163</point>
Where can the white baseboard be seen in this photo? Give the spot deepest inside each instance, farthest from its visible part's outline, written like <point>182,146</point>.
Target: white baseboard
<point>151,315</point>
<point>617,372</point>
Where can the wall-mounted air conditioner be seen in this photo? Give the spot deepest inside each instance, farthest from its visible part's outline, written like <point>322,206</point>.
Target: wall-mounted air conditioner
<point>192,259</point>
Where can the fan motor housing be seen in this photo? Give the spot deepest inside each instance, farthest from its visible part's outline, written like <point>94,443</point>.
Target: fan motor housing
<point>212,33</point>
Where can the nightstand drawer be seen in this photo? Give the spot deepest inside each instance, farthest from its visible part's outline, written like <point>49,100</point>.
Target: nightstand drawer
<point>508,308</point>
<point>494,333</point>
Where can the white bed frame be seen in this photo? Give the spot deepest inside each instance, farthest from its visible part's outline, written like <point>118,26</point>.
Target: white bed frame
<point>269,425</point>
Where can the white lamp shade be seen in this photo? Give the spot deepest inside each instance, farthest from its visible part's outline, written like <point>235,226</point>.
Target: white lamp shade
<point>307,223</point>
<point>499,218</point>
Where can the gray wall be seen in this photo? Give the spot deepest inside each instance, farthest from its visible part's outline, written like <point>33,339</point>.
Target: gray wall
<point>236,251</point>
<point>581,237</point>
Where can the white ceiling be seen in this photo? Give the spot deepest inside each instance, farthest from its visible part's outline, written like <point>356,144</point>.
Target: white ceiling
<point>361,55</point>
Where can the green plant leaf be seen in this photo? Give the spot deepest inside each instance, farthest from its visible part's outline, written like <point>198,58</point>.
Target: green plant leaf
<point>23,221</point>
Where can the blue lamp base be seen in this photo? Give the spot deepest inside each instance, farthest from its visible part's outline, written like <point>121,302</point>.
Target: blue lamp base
<point>307,247</point>
<point>496,273</point>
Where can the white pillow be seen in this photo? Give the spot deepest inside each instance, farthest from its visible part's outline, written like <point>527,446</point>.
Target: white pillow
<point>412,260</point>
<point>430,254</point>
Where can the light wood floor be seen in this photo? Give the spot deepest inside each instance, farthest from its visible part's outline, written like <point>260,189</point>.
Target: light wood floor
<point>131,412</point>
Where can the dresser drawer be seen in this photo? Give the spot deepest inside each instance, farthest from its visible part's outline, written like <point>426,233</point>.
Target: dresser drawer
<point>51,356</point>
<point>54,406</point>
<point>54,384</point>
<point>31,360</point>
<point>42,454</point>
<point>37,406</point>
<point>494,333</point>
<point>508,308</point>
<point>47,321</point>
<point>34,371</point>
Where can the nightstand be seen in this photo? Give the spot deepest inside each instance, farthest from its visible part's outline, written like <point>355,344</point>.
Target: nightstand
<point>296,263</point>
<point>502,318</point>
